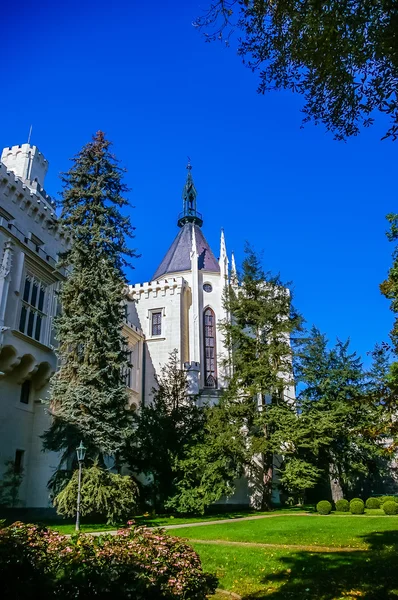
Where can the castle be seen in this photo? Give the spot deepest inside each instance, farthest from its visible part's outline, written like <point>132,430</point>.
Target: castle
<point>179,308</point>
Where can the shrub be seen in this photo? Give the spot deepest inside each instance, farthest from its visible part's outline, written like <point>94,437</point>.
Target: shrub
<point>342,505</point>
<point>384,499</point>
<point>357,500</point>
<point>324,507</point>
<point>373,503</point>
<point>142,564</point>
<point>102,493</point>
<point>357,507</point>
<point>390,508</point>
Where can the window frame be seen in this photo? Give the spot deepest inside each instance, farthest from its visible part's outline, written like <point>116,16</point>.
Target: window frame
<point>34,297</point>
<point>210,349</point>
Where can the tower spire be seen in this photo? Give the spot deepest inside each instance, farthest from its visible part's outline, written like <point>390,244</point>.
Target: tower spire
<point>189,213</point>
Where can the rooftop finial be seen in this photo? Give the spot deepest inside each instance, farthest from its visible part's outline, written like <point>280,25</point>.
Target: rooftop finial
<point>30,134</point>
<point>189,213</point>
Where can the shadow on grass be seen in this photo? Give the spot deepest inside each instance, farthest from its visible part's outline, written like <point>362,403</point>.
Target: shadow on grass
<point>369,575</point>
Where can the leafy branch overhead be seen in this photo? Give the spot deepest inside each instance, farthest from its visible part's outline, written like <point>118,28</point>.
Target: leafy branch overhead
<point>340,55</point>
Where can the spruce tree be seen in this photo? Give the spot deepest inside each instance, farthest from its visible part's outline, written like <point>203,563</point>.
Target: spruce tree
<point>88,395</point>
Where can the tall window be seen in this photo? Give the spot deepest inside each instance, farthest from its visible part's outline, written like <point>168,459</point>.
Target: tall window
<point>210,349</point>
<point>25,392</point>
<point>156,323</point>
<point>33,307</point>
<point>18,461</point>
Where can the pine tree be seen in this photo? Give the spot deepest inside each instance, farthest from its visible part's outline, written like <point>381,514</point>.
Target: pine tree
<point>164,431</point>
<point>389,287</point>
<point>339,397</point>
<point>88,396</point>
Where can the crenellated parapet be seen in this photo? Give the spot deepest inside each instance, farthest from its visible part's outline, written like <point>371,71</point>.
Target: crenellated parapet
<point>33,201</point>
<point>152,289</point>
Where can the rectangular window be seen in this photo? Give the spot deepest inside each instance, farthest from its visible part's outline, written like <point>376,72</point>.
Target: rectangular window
<point>18,462</point>
<point>156,323</point>
<point>25,392</point>
<point>33,307</point>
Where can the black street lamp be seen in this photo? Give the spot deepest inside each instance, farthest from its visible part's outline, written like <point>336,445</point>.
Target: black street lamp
<point>81,453</point>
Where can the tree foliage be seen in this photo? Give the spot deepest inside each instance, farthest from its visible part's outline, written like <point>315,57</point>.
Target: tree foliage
<point>389,287</point>
<point>103,493</point>
<point>340,55</point>
<point>247,428</point>
<point>164,430</point>
<point>347,405</point>
<point>88,395</point>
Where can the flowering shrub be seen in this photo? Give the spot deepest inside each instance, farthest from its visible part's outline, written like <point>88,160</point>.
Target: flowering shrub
<point>142,564</point>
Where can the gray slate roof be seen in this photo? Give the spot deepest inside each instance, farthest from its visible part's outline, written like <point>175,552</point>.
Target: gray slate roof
<point>178,255</point>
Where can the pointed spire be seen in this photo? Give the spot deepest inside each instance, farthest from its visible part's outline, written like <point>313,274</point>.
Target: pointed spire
<point>223,260</point>
<point>189,193</point>
<point>234,275</point>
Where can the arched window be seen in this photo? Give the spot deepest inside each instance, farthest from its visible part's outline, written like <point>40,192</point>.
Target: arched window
<point>210,348</point>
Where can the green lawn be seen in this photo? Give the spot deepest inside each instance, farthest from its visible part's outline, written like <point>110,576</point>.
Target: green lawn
<point>161,520</point>
<point>330,531</point>
<point>284,575</point>
<point>363,565</point>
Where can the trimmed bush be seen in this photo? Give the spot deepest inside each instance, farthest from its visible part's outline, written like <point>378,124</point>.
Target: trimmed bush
<point>390,508</point>
<point>357,500</point>
<point>373,503</point>
<point>342,505</point>
<point>384,499</point>
<point>324,507</point>
<point>357,507</point>
<point>142,564</point>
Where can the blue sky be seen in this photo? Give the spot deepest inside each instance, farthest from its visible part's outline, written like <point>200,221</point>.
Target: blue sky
<point>142,73</point>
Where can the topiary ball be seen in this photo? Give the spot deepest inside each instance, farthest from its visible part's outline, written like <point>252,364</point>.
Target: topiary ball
<point>324,507</point>
<point>342,505</point>
<point>384,499</point>
<point>373,503</point>
<point>357,507</point>
<point>357,500</point>
<point>390,508</point>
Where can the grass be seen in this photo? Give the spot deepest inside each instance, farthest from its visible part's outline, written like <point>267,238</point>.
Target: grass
<point>314,530</point>
<point>68,526</point>
<point>285,575</point>
<point>364,563</point>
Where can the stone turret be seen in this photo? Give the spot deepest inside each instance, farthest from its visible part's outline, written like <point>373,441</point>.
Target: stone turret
<point>26,162</point>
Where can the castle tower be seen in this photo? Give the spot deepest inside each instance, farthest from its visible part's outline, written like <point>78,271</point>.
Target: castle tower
<point>183,303</point>
<point>26,162</point>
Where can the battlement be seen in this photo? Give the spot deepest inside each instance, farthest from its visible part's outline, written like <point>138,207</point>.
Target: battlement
<point>31,199</point>
<point>170,286</point>
<point>26,161</point>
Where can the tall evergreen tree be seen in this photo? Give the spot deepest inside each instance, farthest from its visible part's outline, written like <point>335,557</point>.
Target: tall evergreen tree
<point>339,396</point>
<point>164,431</point>
<point>389,287</point>
<point>243,433</point>
<point>88,395</point>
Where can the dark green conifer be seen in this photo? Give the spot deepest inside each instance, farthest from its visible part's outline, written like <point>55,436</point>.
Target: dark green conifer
<point>88,395</point>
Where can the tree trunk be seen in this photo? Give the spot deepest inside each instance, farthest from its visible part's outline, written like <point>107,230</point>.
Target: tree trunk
<point>335,486</point>
<point>267,482</point>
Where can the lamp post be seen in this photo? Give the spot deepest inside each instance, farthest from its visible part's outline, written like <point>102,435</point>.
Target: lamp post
<point>81,453</point>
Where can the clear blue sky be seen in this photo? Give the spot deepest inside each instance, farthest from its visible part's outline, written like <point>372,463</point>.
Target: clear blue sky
<point>143,74</point>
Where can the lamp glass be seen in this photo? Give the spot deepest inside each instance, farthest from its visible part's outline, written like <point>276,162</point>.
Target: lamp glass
<point>81,452</point>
